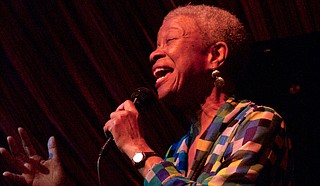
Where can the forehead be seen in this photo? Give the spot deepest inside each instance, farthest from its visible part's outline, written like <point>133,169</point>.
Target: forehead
<point>182,23</point>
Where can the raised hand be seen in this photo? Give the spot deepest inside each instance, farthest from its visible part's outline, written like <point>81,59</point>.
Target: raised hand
<point>123,125</point>
<point>28,167</point>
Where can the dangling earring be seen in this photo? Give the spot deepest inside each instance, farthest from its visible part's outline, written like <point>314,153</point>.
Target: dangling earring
<point>218,80</point>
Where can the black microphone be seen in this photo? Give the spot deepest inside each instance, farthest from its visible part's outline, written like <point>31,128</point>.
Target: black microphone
<point>142,98</point>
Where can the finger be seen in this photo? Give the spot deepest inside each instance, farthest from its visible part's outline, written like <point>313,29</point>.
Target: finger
<point>113,114</point>
<point>26,143</point>
<point>28,166</point>
<point>120,107</point>
<point>15,149</point>
<point>15,177</point>
<point>129,106</point>
<point>35,165</point>
<point>108,126</point>
<point>118,113</point>
<point>7,156</point>
<point>52,148</point>
<point>16,165</point>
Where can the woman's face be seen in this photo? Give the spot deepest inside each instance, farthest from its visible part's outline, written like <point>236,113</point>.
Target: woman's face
<point>180,62</point>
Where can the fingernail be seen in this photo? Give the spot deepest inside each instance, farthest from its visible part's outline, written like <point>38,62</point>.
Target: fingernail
<point>6,173</point>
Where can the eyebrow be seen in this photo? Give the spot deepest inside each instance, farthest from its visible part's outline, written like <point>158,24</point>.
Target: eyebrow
<point>184,32</point>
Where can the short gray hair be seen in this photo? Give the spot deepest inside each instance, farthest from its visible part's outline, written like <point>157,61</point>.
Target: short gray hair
<point>215,24</point>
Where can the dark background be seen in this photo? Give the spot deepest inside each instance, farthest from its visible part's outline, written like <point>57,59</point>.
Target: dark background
<point>66,65</point>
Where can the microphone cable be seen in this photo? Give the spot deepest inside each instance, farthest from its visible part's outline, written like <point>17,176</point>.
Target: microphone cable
<point>102,151</point>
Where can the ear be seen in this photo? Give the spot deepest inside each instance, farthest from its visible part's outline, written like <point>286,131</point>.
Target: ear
<point>217,54</point>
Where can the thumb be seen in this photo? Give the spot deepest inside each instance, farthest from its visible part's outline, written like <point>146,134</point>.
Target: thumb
<point>52,148</point>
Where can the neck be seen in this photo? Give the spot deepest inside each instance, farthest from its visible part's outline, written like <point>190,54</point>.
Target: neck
<point>210,107</point>
<point>205,111</point>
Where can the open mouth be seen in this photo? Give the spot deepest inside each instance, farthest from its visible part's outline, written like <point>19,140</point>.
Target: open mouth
<point>160,73</point>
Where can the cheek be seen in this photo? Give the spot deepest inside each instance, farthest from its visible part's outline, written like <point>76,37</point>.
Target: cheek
<point>194,63</point>
<point>188,58</point>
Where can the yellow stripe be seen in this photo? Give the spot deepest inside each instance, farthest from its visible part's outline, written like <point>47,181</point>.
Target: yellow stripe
<point>259,115</point>
<point>204,145</point>
<point>215,166</point>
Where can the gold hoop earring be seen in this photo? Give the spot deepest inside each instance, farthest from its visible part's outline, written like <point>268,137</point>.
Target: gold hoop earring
<point>218,80</point>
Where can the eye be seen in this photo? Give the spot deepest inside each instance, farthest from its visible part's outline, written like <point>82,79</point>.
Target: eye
<point>170,39</point>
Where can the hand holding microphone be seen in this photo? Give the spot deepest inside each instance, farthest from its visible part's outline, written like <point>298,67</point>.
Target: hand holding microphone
<point>123,124</point>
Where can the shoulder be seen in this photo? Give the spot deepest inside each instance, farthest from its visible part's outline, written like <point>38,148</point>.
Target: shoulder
<point>250,114</point>
<point>255,111</point>
<point>260,123</point>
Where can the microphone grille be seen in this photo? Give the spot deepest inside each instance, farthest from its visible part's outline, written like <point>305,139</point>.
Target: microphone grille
<point>142,97</point>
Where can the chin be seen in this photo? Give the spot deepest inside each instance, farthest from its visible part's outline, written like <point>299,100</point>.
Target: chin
<point>166,96</point>
<point>163,92</point>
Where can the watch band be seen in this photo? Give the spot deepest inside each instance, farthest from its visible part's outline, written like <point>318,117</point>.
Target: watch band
<point>145,156</point>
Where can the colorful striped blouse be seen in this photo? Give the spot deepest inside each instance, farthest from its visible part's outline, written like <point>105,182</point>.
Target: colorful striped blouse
<point>245,144</point>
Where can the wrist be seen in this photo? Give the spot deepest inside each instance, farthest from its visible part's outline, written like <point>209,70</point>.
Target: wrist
<point>139,146</point>
<point>140,158</point>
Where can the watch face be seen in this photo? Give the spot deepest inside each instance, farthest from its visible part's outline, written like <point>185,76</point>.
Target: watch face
<point>137,157</point>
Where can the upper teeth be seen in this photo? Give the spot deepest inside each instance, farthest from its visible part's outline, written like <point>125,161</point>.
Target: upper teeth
<point>157,70</point>
<point>157,73</point>
<point>161,72</point>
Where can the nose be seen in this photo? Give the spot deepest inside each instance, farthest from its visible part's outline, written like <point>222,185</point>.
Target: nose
<point>156,54</point>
